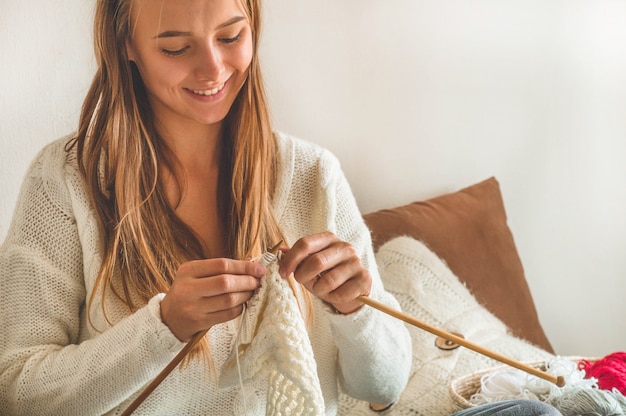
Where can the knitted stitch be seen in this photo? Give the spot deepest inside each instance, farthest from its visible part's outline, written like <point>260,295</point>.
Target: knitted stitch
<point>274,343</point>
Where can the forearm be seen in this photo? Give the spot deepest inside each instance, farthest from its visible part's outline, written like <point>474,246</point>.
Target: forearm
<point>91,377</point>
<point>374,352</point>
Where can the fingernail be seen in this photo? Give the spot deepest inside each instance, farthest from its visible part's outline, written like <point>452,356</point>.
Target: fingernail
<point>260,269</point>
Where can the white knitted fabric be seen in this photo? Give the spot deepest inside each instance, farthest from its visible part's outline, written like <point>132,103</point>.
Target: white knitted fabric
<point>430,292</point>
<point>53,361</point>
<point>273,344</point>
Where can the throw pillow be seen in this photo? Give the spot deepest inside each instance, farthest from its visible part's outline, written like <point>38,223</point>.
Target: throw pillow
<point>468,229</point>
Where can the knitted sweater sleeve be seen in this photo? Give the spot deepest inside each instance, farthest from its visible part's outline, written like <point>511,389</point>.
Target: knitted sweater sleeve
<point>374,349</point>
<point>48,365</point>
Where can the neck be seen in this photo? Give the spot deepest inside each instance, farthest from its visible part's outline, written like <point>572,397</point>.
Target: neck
<point>196,147</point>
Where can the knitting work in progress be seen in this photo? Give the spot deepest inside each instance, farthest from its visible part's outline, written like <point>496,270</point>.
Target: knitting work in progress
<point>581,394</point>
<point>273,344</point>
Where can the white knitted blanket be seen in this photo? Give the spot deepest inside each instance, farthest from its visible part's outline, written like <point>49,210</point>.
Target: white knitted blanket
<point>273,345</point>
<point>430,292</point>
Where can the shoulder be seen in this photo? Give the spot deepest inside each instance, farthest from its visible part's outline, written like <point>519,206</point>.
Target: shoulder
<point>300,157</point>
<point>55,169</point>
<point>54,159</point>
<point>306,172</point>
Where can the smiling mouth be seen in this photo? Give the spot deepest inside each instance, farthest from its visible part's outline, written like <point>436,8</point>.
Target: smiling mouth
<point>208,93</point>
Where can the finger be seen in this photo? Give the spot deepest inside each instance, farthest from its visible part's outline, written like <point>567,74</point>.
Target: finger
<point>195,304</point>
<point>225,302</point>
<point>302,249</point>
<point>350,289</point>
<point>328,281</point>
<point>344,298</point>
<point>206,320</point>
<point>223,284</point>
<point>326,261</point>
<point>223,316</point>
<point>217,266</point>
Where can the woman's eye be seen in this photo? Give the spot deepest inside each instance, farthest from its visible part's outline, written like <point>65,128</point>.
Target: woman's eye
<point>231,40</point>
<point>176,52</point>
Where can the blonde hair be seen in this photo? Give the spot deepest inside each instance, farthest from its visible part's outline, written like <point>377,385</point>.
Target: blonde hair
<point>119,152</point>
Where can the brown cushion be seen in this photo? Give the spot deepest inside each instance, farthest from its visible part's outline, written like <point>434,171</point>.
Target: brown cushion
<point>468,229</point>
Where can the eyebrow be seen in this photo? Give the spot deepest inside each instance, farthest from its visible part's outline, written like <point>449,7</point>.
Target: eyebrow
<point>177,33</point>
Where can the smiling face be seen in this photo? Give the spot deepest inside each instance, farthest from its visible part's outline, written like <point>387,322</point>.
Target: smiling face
<point>193,57</point>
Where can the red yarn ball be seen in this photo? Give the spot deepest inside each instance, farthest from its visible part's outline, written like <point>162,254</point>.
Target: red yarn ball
<point>610,371</point>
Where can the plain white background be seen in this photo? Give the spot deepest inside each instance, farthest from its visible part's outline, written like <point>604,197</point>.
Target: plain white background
<point>416,98</point>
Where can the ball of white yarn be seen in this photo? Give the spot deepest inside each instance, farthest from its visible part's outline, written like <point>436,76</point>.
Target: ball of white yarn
<point>511,383</point>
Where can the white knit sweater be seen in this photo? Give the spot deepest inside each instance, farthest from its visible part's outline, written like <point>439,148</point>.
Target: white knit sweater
<point>53,361</point>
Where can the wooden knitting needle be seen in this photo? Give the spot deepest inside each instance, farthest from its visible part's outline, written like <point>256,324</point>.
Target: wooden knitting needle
<point>558,380</point>
<point>165,372</point>
<point>175,361</point>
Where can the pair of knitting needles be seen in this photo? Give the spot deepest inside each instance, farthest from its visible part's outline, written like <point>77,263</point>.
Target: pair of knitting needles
<point>558,380</point>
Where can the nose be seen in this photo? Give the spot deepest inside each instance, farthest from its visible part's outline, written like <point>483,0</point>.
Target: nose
<point>210,63</point>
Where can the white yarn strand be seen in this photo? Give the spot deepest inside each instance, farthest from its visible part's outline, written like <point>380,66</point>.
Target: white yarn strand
<point>246,401</point>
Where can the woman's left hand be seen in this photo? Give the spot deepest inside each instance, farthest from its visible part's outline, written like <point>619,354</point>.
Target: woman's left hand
<point>329,268</point>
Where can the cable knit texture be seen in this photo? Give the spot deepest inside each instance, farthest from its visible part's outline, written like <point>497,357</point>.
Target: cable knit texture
<point>272,343</point>
<point>430,292</point>
<point>54,361</point>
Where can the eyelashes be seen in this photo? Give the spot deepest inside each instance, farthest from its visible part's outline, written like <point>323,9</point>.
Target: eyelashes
<point>176,52</point>
<point>179,52</point>
<point>231,40</point>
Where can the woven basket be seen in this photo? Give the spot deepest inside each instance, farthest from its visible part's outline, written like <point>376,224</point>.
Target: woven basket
<point>463,388</point>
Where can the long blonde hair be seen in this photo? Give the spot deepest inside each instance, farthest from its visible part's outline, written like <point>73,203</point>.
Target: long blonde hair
<point>119,152</point>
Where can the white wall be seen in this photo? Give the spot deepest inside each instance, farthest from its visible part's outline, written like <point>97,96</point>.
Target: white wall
<point>420,97</point>
<point>417,98</point>
<point>47,65</point>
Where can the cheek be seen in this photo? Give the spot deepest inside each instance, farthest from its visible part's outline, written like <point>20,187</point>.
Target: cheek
<point>157,73</point>
<point>169,74</point>
<point>243,57</point>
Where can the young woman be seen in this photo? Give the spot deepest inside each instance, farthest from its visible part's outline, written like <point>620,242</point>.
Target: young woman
<point>136,232</point>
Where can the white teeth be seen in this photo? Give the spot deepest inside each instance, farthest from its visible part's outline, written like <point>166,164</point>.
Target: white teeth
<point>209,92</point>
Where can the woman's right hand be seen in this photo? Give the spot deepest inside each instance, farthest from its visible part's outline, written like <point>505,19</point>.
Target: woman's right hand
<point>208,292</point>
